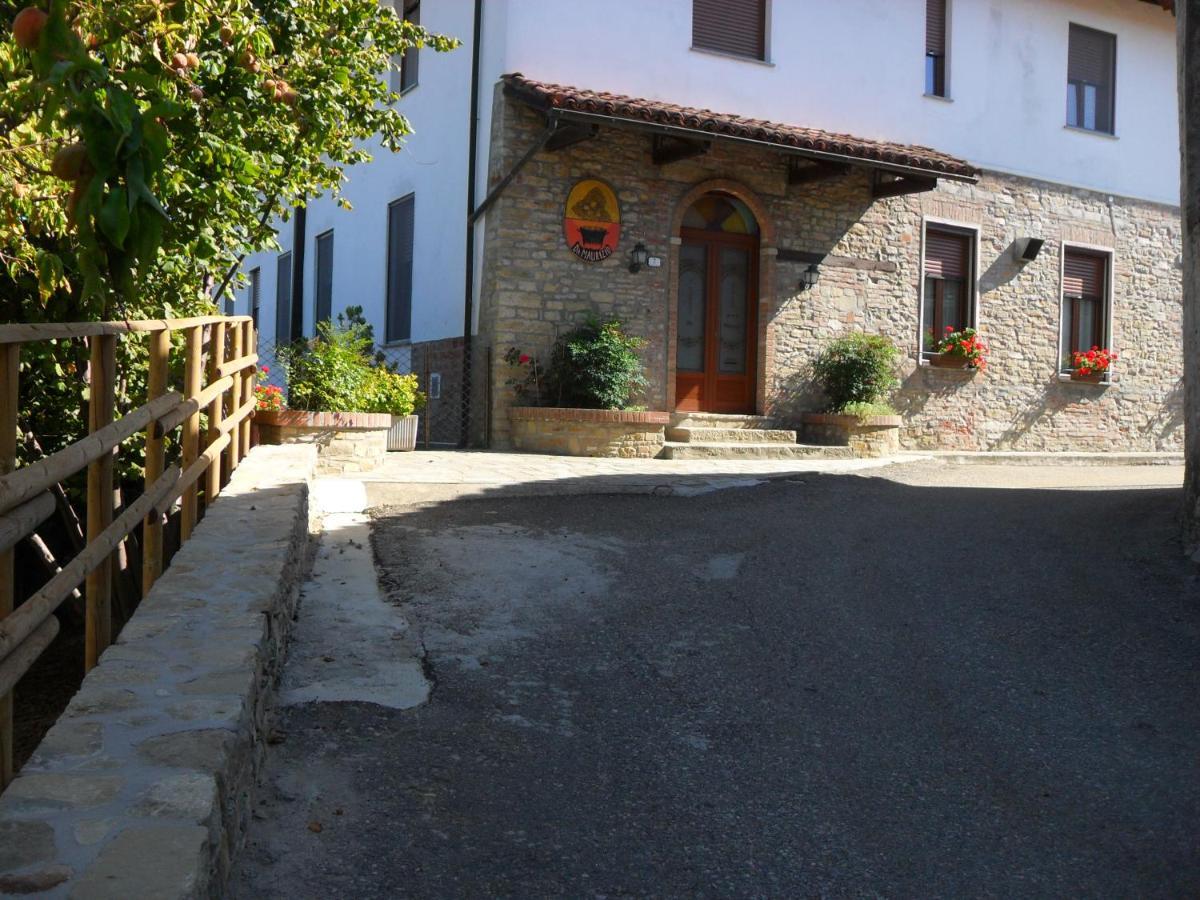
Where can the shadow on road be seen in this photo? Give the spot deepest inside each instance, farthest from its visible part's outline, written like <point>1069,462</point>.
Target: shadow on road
<point>817,685</point>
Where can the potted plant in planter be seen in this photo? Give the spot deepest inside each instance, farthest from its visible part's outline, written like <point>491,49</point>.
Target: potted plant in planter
<point>960,350</point>
<point>1091,366</point>
<point>856,374</point>
<point>581,402</point>
<point>340,397</point>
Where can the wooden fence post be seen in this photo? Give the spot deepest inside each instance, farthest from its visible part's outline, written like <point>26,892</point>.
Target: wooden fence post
<point>9,369</point>
<point>193,373</point>
<point>101,406</point>
<point>216,356</point>
<point>152,532</point>
<point>250,345</point>
<point>234,453</point>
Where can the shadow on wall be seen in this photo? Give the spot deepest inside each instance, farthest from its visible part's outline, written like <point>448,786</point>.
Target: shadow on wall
<point>795,394</point>
<point>1169,417</point>
<point>1002,270</point>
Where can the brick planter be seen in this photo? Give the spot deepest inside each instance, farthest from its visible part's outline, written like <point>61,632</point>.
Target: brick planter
<point>867,436</point>
<point>588,432</point>
<point>346,442</point>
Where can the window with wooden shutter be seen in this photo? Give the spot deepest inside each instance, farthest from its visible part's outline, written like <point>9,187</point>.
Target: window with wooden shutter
<point>948,284</point>
<point>323,310</point>
<point>737,27</point>
<point>283,299</point>
<point>1091,75</point>
<point>1085,301</point>
<point>400,269</point>
<point>935,47</point>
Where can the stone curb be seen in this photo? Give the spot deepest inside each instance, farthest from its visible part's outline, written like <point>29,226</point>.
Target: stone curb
<point>143,786</point>
<point>1047,458</point>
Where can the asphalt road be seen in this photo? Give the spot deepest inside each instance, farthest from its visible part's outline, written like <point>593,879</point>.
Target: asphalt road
<point>821,686</point>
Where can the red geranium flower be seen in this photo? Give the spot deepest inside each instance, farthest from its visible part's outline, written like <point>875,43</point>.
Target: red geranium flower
<point>523,358</point>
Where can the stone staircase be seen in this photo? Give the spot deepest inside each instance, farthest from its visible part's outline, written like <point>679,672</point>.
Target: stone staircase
<point>715,436</point>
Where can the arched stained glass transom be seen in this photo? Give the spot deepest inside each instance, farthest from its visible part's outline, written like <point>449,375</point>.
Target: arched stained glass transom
<point>720,212</point>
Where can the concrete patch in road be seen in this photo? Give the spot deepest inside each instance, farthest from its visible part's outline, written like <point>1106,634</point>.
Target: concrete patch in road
<point>349,644</point>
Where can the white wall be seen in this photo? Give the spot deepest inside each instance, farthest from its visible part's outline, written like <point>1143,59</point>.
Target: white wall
<point>854,66</point>
<point>857,66</point>
<point>432,166</point>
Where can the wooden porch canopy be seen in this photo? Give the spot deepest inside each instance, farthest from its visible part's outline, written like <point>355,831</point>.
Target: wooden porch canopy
<point>679,132</point>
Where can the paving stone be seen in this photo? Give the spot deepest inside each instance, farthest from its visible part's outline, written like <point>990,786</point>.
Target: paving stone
<point>191,796</point>
<point>220,683</point>
<point>25,843</point>
<point>59,791</point>
<point>89,701</point>
<point>204,749</point>
<point>148,861</point>
<point>34,882</point>
<point>226,709</point>
<point>92,831</point>
<point>70,738</point>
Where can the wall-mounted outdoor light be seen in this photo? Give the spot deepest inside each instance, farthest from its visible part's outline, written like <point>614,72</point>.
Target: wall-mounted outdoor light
<point>809,277</point>
<point>638,257</point>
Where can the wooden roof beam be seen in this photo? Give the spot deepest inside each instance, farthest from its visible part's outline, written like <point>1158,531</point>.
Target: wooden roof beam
<point>900,185</point>
<point>799,173</point>
<point>666,149</point>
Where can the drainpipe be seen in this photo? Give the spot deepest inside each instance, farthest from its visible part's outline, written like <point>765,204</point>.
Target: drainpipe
<point>299,225</point>
<point>469,299</point>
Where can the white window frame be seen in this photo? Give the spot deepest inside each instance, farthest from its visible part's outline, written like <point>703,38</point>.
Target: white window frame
<point>1109,253</point>
<point>976,231</point>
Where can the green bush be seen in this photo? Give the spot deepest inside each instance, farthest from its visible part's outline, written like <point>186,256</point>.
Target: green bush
<point>337,371</point>
<point>595,366</point>
<point>856,369</point>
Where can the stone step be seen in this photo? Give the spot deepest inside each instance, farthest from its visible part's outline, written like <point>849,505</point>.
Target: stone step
<point>746,450</point>
<point>726,435</point>
<point>719,420</point>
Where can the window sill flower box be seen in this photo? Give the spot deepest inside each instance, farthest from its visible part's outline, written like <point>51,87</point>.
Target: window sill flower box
<point>949,361</point>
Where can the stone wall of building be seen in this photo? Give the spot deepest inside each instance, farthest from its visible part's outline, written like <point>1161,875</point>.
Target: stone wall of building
<point>588,432</point>
<point>534,288</point>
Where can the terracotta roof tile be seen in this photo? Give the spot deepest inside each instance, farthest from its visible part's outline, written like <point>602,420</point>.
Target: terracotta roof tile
<point>562,97</point>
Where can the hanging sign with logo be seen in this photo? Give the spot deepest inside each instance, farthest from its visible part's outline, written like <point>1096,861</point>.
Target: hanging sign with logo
<point>593,220</point>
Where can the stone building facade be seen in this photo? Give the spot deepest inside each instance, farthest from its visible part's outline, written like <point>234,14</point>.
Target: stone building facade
<point>870,279</point>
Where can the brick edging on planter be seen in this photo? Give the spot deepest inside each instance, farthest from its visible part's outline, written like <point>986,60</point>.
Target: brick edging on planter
<point>852,421</point>
<point>298,418</point>
<point>608,416</point>
<point>143,786</point>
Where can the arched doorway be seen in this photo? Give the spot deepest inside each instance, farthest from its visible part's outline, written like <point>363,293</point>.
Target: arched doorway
<point>716,319</point>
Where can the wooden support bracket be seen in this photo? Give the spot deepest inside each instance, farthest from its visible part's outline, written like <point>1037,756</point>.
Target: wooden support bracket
<point>885,186</point>
<point>568,134</point>
<point>819,171</point>
<point>666,149</point>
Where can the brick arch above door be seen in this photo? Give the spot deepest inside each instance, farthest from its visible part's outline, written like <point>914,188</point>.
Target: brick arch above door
<point>767,249</point>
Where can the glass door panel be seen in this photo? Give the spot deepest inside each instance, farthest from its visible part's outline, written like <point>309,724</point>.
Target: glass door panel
<point>693,307</point>
<point>733,283</point>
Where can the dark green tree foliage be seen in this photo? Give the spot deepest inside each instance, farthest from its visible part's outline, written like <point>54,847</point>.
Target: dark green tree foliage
<point>856,369</point>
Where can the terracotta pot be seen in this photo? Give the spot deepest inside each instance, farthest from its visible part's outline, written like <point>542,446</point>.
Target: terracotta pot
<point>1087,377</point>
<point>948,361</point>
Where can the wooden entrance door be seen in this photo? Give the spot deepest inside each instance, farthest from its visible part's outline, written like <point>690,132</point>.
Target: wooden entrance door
<point>716,337</point>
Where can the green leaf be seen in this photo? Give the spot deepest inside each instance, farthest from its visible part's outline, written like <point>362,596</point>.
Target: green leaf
<point>50,273</point>
<point>114,217</point>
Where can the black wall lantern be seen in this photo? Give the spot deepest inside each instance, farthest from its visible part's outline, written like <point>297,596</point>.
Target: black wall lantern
<point>809,277</point>
<point>638,257</point>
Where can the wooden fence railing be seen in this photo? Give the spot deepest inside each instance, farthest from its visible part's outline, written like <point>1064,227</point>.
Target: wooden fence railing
<point>225,393</point>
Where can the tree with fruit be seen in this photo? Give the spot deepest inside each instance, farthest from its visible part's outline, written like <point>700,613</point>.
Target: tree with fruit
<point>147,145</point>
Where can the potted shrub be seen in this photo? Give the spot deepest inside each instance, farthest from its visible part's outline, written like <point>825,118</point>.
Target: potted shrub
<point>581,402</point>
<point>340,397</point>
<point>857,373</point>
<point>1092,366</point>
<point>960,350</point>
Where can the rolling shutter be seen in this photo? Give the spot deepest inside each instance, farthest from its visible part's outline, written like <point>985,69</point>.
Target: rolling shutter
<point>1083,275</point>
<point>324,304</point>
<point>400,269</point>
<point>946,254</point>
<point>283,298</point>
<point>1090,56</point>
<point>730,26</point>
<point>935,27</point>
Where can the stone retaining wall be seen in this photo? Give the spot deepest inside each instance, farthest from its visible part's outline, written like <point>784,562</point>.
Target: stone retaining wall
<point>143,787</point>
<point>346,442</point>
<point>588,432</point>
<point>867,436</point>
